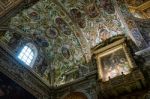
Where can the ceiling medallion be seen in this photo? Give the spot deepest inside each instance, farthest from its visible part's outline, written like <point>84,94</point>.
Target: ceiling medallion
<point>92,11</point>
<point>75,13</point>
<point>108,6</point>
<point>77,16</point>
<point>34,15</point>
<point>52,32</point>
<point>63,26</point>
<point>65,51</point>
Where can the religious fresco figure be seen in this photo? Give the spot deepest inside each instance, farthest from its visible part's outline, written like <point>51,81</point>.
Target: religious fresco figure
<point>52,32</point>
<point>75,13</point>
<point>77,17</point>
<point>108,6</point>
<point>33,14</point>
<point>103,33</point>
<point>65,52</point>
<point>63,26</point>
<point>92,10</point>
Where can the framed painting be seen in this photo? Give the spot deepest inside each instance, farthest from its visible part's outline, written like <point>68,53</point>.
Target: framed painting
<point>113,60</point>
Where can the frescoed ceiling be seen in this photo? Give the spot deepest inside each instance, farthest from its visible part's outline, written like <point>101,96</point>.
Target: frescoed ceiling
<point>69,29</point>
<point>96,19</point>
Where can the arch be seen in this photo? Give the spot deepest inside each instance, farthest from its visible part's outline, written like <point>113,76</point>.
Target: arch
<point>28,54</point>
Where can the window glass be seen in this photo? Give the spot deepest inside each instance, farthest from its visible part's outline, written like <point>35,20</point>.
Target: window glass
<point>27,55</point>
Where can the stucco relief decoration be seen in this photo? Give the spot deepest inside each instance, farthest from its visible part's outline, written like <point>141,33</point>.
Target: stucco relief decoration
<point>78,17</point>
<point>63,26</point>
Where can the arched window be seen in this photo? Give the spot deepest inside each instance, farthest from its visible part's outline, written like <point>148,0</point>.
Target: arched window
<point>28,54</point>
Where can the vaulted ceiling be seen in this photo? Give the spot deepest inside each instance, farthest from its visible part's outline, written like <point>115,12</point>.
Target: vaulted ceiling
<point>66,30</point>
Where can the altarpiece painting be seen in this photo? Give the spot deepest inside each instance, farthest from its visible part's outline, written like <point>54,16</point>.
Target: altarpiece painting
<point>113,60</point>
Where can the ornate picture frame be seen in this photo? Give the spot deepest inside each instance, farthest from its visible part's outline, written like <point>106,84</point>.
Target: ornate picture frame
<point>113,60</point>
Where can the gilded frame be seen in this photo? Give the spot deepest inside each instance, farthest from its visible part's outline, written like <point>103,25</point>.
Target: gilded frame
<point>120,44</point>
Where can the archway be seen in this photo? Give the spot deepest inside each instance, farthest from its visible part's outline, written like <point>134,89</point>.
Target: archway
<point>75,95</point>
